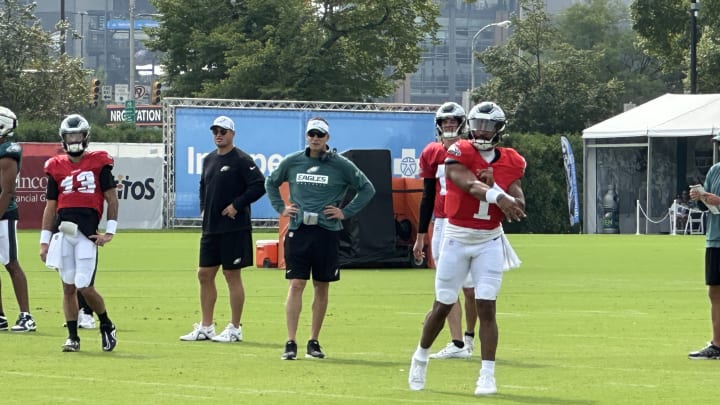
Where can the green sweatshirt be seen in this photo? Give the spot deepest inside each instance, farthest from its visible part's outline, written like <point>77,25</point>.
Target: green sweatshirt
<point>712,185</point>
<point>316,183</point>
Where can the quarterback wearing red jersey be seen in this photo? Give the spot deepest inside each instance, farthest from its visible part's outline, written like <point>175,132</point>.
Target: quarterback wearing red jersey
<point>450,126</point>
<point>79,183</point>
<point>483,188</point>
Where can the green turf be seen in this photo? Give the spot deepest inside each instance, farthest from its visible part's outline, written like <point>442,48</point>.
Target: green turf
<point>587,319</point>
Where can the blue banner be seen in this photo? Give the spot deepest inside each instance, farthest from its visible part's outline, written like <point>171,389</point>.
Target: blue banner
<point>268,135</point>
<point>571,178</point>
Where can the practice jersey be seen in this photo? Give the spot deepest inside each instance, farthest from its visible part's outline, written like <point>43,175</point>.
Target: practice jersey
<point>13,151</point>
<point>79,183</point>
<point>432,165</point>
<point>467,211</point>
<point>316,183</point>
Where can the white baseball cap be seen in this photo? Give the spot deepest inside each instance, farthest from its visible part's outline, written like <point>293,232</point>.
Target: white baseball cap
<point>223,122</point>
<point>317,125</point>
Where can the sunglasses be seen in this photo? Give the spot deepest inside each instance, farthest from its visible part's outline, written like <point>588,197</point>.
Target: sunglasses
<point>316,134</point>
<point>222,131</point>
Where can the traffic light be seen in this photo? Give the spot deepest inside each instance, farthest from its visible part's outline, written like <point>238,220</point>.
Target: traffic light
<point>94,92</point>
<point>155,92</point>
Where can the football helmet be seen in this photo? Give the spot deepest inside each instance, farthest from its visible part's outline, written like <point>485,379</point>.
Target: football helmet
<point>450,110</point>
<point>74,124</point>
<point>8,122</point>
<point>486,117</point>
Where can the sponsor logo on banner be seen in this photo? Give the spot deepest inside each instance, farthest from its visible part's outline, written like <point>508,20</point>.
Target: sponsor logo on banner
<point>268,135</point>
<point>145,115</point>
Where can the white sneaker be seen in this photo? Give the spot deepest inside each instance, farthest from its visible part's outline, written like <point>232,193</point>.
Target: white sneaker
<point>469,343</point>
<point>85,321</point>
<point>451,352</point>
<point>485,385</point>
<point>418,370</point>
<point>229,335</point>
<point>199,332</point>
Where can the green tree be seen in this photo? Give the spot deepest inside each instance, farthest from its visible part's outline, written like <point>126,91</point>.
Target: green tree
<point>33,81</point>
<point>545,84</point>
<point>664,31</point>
<point>291,49</point>
<point>603,26</point>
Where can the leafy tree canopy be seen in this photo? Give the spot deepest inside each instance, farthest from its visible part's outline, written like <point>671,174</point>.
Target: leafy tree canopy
<point>543,83</point>
<point>291,49</point>
<point>664,30</point>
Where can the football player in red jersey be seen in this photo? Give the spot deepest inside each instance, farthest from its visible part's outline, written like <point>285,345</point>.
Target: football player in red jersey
<point>483,188</point>
<point>79,183</point>
<point>450,126</point>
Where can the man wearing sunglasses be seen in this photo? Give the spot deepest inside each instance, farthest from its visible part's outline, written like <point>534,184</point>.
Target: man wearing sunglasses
<point>230,181</point>
<point>318,180</point>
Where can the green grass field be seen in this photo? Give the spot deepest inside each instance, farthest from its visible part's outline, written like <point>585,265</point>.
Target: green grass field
<point>587,319</point>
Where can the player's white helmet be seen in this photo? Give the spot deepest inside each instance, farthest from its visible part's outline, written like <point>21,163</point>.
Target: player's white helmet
<point>73,124</point>
<point>487,117</point>
<point>8,122</point>
<point>450,110</point>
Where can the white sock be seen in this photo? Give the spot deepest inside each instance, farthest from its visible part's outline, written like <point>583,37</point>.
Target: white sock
<point>488,367</point>
<point>422,354</point>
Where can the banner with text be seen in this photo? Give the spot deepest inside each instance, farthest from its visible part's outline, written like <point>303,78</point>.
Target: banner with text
<point>268,135</point>
<point>145,115</point>
<point>139,173</point>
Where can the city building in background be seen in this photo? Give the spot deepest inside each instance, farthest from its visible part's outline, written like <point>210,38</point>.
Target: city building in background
<point>444,73</point>
<point>103,41</point>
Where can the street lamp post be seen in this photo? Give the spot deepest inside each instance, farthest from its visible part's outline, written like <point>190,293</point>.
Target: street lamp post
<point>131,37</point>
<point>694,8</point>
<point>501,24</point>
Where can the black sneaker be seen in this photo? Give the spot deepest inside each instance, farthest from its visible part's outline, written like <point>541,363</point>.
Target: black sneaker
<point>71,345</point>
<point>709,352</point>
<point>109,339</point>
<point>314,351</point>
<point>290,351</point>
<point>3,323</point>
<point>25,323</point>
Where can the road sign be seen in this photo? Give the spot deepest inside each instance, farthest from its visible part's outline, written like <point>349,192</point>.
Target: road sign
<point>122,93</point>
<point>130,111</point>
<point>140,91</point>
<point>106,93</point>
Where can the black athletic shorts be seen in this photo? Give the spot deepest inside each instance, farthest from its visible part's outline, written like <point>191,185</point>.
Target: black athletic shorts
<point>712,266</point>
<point>312,249</point>
<point>232,250</point>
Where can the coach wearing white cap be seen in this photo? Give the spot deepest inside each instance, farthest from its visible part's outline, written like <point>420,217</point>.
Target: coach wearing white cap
<point>318,179</point>
<point>229,183</point>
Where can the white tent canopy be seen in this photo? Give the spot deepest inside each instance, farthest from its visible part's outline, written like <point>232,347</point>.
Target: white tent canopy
<point>670,115</point>
<point>647,155</point>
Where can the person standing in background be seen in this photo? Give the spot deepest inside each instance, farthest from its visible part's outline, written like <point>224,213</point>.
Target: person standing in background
<point>230,181</point>
<point>10,163</point>
<point>709,194</point>
<point>318,179</point>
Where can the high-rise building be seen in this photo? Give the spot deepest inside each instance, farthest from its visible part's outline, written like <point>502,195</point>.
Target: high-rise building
<point>444,72</point>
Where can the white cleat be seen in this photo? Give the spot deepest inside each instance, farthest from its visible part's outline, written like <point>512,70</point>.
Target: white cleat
<point>418,370</point>
<point>85,321</point>
<point>452,352</point>
<point>469,343</point>
<point>485,385</point>
<point>199,332</point>
<point>229,335</point>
